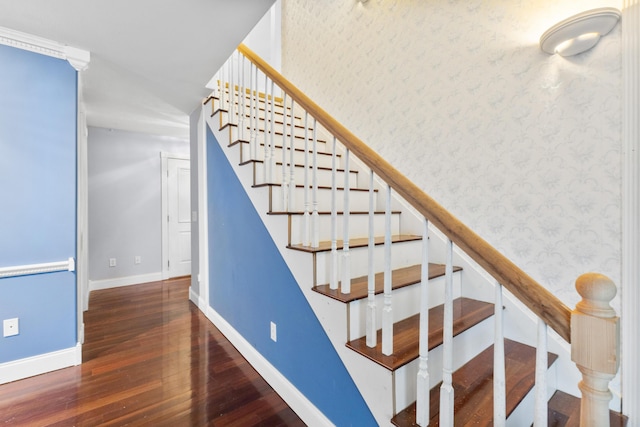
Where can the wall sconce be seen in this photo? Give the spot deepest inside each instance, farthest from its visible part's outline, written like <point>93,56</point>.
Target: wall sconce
<point>580,32</point>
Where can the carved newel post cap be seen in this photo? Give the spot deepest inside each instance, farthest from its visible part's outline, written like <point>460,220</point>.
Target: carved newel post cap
<point>597,291</point>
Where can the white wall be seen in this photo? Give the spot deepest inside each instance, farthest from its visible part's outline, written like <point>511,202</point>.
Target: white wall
<point>265,38</point>
<point>523,147</point>
<point>125,201</point>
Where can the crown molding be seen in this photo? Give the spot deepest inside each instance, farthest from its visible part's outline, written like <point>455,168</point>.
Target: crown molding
<point>78,58</point>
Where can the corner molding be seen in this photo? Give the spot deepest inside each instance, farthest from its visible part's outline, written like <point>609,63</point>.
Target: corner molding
<point>630,316</point>
<point>78,58</point>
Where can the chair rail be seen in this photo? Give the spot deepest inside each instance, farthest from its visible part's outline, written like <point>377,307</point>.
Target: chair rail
<point>538,299</point>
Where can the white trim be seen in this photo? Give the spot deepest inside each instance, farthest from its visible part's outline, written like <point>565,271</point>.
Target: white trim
<point>630,286</point>
<point>306,410</point>
<point>203,209</point>
<point>164,157</point>
<point>197,300</point>
<point>78,58</point>
<point>43,363</point>
<point>47,267</point>
<point>95,285</point>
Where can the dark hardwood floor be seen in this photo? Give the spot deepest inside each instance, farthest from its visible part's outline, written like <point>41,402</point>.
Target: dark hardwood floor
<point>150,358</point>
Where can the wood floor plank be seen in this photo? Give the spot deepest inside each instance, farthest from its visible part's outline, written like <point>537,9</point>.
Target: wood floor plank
<point>150,358</point>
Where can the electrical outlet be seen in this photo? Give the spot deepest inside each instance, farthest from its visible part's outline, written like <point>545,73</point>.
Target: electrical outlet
<point>137,259</point>
<point>112,262</point>
<point>10,327</point>
<point>274,332</point>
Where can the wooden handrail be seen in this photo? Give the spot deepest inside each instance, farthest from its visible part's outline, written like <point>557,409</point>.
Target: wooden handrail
<point>538,299</point>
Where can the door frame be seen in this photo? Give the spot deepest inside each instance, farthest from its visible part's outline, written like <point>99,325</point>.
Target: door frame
<point>164,160</point>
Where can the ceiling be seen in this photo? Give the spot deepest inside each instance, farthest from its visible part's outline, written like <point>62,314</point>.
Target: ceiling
<point>150,59</point>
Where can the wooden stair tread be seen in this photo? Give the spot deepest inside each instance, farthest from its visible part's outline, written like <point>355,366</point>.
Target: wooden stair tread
<point>327,213</point>
<point>325,246</point>
<point>279,163</point>
<point>320,187</point>
<point>466,313</point>
<point>399,278</point>
<point>564,411</point>
<point>473,387</point>
<point>297,149</point>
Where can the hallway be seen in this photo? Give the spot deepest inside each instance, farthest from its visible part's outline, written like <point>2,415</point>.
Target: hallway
<point>150,358</point>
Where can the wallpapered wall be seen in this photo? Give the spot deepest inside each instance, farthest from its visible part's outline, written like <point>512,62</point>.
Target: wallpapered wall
<point>523,147</point>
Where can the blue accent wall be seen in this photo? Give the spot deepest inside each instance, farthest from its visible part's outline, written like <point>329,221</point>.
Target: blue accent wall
<point>38,121</point>
<point>251,285</point>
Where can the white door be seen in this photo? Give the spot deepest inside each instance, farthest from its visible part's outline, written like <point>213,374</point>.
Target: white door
<point>179,217</point>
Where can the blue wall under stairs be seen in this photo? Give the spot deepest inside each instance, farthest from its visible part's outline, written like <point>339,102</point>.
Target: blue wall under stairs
<point>251,286</point>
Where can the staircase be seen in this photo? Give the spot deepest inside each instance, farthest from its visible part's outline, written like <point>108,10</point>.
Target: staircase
<point>319,194</point>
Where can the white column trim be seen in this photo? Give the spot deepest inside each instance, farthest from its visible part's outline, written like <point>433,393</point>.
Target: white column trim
<point>630,286</point>
<point>78,58</point>
<point>203,209</point>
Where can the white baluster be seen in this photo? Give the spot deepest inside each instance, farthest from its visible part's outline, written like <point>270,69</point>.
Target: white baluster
<point>232,101</point>
<point>387,310</point>
<point>541,415</point>
<point>285,184</point>
<point>272,166</point>
<point>346,259</point>
<point>253,149</point>
<point>446,390</point>
<point>499,382</point>
<point>292,179</point>
<point>242,98</point>
<point>222,89</point>
<point>333,283</point>
<point>267,151</point>
<point>422,400</point>
<point>315,218</point>
<point>306,241</point>
<point>372,335</point>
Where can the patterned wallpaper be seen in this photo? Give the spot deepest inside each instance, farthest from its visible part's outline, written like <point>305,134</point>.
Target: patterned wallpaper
<point>523,147</point>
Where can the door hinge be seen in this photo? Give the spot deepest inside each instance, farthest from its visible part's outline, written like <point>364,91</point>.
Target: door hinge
<point>168,264</point>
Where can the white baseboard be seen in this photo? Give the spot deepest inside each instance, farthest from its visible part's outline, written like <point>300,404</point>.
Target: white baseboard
<point>198,301</point>
<point>95,285</point>
<point>43,363</point>
<point>289,393</point>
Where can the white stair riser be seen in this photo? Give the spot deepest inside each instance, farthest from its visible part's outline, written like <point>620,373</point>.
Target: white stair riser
<point>358,200</point>
<point>323,176</point>
<point>324,160</point>
<point>358,226</point>
<point>406,303</point>
<point>403,254</point>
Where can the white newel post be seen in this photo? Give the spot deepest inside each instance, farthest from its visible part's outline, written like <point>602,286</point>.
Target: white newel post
<point>595,346</point>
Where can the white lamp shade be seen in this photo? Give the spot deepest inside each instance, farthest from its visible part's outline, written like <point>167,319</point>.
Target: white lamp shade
<point>580,32</point>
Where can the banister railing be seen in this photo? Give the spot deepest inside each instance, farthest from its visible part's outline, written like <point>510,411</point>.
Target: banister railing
<point>592,313</point>
<point>539,300</point>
